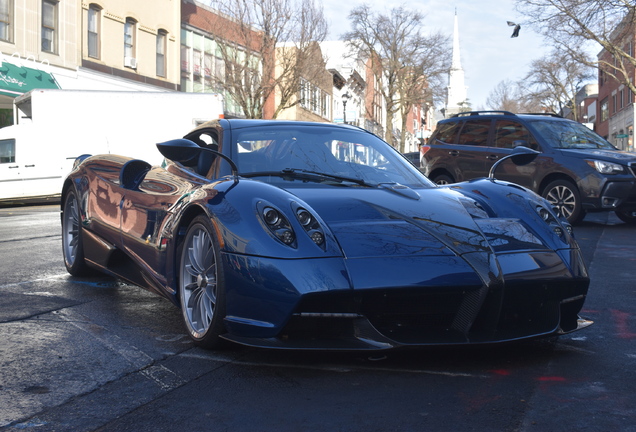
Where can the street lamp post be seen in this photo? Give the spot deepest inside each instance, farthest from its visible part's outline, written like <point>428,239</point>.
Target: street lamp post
<point>345,98</point>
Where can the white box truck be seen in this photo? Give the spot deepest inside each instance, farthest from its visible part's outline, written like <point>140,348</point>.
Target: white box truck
<point>52,127</point>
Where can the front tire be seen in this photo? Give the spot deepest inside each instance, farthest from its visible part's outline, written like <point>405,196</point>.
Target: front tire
<point>202,285</point>
<point>72,246</point>
<point>564,195</point>
<point>629,217</point>
<point>442,179</point>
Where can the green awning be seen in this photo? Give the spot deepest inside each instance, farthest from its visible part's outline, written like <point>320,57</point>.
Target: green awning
<point>16,80</point>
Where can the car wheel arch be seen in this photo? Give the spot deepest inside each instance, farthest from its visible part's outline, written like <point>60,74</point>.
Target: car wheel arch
<point>553,177</point>
<point>179,233</point>
<point>441,172</point>
<point>570,202</point>
<point>65,188</point>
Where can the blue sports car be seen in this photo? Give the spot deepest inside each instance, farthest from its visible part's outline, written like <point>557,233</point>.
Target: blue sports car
<point>302,235</point>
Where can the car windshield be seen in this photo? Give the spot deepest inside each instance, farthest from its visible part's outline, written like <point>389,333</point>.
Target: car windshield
<point>321,154</point>
<point>570,135</point>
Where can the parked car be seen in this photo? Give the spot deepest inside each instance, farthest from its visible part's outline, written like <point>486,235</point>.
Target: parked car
<point>305,235</point>
<point>577,171</point>
<point>413,157</point>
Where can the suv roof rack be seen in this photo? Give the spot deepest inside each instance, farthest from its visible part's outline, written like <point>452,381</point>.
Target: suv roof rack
<point>471,113</point>
<point>551,114</point>
<point>501,112</point>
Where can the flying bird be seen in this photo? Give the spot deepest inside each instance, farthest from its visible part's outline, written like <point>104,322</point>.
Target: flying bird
<point>515,32</point>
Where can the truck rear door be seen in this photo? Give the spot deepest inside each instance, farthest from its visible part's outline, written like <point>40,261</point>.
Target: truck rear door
<point>10,183</point>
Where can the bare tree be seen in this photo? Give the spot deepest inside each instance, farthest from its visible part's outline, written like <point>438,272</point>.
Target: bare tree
<point>516,97</point>
<point>406,62</point>
<point>571,24</point>
<point>504,97</point>
<point>266,47</point>
<point>555,79</point>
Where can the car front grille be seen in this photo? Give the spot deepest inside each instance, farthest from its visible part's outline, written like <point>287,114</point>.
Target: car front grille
<point>430,315</point>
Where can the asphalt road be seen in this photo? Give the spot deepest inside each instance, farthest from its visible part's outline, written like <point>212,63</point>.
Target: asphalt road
<point>97,354</point>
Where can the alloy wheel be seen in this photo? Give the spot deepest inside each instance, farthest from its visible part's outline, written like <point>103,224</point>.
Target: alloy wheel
<point>198,281</point>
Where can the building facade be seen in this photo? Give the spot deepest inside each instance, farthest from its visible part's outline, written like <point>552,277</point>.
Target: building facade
<point>128,44</point>
<point>98,45</point>
<point>37,37</point>
<point>349,84</point>
<point>203,66</point>
<point>615,112</point>
<point>313,101</point>
<point>171,45</point>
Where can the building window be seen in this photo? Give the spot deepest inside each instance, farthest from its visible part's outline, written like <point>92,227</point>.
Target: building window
<point>314,99</point>
<point>185,60</point>
<point>604,110</point>
<point>129,43</point>
<point>6,20</point>
<point>93,31</point>
<point>49,26</point>
<point>161,53</point>
<point>197,57</point>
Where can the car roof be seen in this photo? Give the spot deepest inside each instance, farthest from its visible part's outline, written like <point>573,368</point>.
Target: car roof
<point>241,123</point>
<point>503,114</point>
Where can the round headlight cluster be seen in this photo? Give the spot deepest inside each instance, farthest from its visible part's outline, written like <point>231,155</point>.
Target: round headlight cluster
<point>310,225</point>
<point>544,213</point>
<point>281,228</point>
<point>278,225</point>
<point>304,217</point>
<point>556,225</point>
<point>271,216</point>
<point>317,237</point>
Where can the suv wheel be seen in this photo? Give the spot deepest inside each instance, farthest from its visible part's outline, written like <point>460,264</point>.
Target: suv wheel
<point>563,195</point>
<point>442,179</point>
<point>628,217</point>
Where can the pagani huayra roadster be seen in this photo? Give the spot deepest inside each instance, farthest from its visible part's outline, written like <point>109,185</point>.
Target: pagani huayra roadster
<point>302,235</point>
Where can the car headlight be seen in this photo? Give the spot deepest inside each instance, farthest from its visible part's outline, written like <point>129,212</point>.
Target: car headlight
<point>310,224</point>
<point>281,228</point>
<point>277,224</point>
<point>557,226</point>
<point>606,167</point>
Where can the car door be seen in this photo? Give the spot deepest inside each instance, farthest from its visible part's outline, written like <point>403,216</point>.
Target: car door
<point>144,212</point>
<point>508,134</point>
<point>472,150</point>
<point>11,185</point>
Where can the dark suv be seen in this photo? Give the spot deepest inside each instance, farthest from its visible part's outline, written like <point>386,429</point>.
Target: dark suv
<point>577,170</point>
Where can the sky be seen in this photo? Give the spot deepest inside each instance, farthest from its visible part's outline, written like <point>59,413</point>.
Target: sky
<point>488,54</point>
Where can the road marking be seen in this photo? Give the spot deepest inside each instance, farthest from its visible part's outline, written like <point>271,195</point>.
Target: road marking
<point>145,364</point>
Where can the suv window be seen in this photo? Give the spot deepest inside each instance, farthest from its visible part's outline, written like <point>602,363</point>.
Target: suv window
<point>447,132</point>
<point>508,131</point>
<point>569,135</point>
<point>475,132</point>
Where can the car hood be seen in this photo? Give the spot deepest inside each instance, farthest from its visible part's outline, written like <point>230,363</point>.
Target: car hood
<point>603,154</point>
<point>378,222</point>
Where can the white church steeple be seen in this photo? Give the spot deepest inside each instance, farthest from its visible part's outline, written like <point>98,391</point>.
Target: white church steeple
<point>456,91</point>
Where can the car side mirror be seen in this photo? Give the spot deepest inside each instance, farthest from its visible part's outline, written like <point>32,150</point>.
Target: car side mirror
<point>180,150</point>
<point>520,155</point>
<point>187,152</point>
